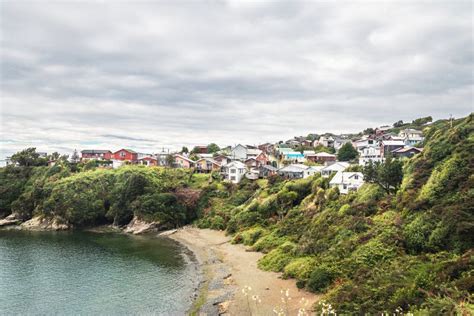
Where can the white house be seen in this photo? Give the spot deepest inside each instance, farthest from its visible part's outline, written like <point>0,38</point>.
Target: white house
<point>239,152</point>
<point>411,136</point>
<point>326,141</point>
<point>371,153</point>
<point>335,167</point>
<point>347,181</point>
<point>310,171</point>
<point>234,171</point>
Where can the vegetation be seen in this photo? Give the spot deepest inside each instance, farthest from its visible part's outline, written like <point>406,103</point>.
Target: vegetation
<point>347,152</point>
<point>402,241</point>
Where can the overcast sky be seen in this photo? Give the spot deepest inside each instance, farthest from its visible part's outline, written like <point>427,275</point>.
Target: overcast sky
<point>152,74</point>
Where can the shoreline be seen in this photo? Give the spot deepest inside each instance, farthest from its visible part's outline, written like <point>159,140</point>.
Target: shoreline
<point>226,269</point>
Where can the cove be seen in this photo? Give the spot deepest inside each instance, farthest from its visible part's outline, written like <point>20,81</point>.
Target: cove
<point>84,273</point>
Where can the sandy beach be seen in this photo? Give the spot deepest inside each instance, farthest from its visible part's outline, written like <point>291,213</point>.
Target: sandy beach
<point>228,268</point>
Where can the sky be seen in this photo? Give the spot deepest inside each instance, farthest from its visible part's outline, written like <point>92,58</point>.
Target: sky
<point>162,74</point>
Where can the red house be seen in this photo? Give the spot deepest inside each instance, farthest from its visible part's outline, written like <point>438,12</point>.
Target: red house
<point>261,159</point>
<point>125,155</point>
<point>98,154</point>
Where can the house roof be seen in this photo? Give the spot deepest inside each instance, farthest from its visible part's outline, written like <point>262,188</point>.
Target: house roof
<point>269,167</point>
<point>125,149</point>
<point>294,168</point>
<point>253,152</point>
<point>185,158</point>
<point>147,158</point>
<point>393,143</point>
<point>210,160</point>
<point>344,177</point>
<point>236,164</point>
<point>324,154</point>
<point>337,166</point>
<point>95,151</point>
<point>405,149</point>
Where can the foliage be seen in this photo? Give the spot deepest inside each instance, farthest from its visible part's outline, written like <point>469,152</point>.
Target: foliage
<point>388,174</point>
<point>347,152</point>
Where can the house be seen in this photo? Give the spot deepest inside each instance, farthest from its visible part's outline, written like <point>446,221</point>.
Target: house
<point>200,149</point>
<point>253,152</point>
<point>261,159</point>
<point>294,156</point>
<point>125,155</point>
<point>335,167</point>
<point>239,152</point>
<point>312,170</point>
<point>411,136</point>
<point>234,171</point>
<point>293,143</point>
<point>371,153</point>
<point>306,143</point>
<point>364,142</point>
<point>293,171</point>
<point>181,161</point>
<point>326,141</point>
<point>162,157</point>
<point>266,148</point>
<point>379,131</point>
<point>251,162</point>
<point>98,154</point>
<point>204,155</point>
<point>308,152</point>
<point>222,159</point>
<point>387,146</point>
<point>267,170</point>
<point>347,181</point>
<point>321,157</point>
<point>148,161</point>
<point>207,165</point>
<point>406,152</point>
<point>252,174</point>
<point>339,142</point>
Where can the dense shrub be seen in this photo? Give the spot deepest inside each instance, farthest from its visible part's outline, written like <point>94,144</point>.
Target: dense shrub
<point>320,279</point>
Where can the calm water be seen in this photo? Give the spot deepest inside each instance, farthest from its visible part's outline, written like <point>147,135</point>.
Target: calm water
<point>80,273</point>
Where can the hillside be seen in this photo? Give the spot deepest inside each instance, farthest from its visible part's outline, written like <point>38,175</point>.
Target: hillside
<point>367,251</point>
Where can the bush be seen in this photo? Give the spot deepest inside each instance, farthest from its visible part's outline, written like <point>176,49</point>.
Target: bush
<point>277,259</point>
<point>320,279</point>
<point>299,268</point>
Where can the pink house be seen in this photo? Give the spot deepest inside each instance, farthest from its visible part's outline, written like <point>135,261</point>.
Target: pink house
<point>183,162</point>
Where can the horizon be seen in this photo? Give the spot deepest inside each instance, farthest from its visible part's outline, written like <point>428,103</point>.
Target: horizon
<point>152,75</point>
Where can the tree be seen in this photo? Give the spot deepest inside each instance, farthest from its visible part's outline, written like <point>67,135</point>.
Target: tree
<point>388,175</point>
<point>398,124</point>
<point>28,157</point>
<point>368,131</point>
<point>184,150</point>
<point>75,157</point>
<point>347,152</point>
<point>170,160</point>
<point>212,148</point>
<point>422,120</point>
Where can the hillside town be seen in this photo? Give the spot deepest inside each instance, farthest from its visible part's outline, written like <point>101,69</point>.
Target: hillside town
<point>300,157</point>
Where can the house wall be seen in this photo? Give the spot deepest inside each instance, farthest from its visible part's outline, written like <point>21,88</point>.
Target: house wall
<point>239,153</point>
<point>125,155</point>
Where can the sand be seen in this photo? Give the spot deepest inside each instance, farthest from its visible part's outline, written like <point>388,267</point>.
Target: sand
<point>228,268</point>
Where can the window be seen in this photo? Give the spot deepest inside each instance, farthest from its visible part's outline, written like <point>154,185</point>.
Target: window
<point>232,178</point>
<point>232,170</point>
<point>356,177</point>
<point>344,186</point>
<point>122,154</point>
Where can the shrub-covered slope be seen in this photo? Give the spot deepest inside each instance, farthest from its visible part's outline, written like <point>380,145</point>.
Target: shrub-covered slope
<point>368,252</point>
<point>98,196</point>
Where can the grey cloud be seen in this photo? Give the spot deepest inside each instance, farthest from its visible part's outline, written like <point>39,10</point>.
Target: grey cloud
<point>149,74</point>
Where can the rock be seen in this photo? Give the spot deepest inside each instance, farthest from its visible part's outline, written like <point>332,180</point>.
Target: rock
<point>168,232</point>
<point>44,223</point>
<point>223,307</point>
<point>138,226</point>
<point>9,220</point>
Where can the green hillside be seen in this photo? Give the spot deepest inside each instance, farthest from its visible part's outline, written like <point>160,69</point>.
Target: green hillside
<point>368,252</point>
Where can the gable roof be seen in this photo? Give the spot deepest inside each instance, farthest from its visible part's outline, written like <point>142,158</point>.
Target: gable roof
<point>405,149</point>
<point>210,160</point>
<point>236,164</point>
<point>125,149</point>
<point>337,166</point>
<point>294,168</point>
<point>184,158</point>
<point>342,177</point>
<point>95,151</point>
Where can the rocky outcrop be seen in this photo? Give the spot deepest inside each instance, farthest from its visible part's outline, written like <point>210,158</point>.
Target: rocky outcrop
<point>138,226</point>
<point>44,223</point>
<point>10,220</point>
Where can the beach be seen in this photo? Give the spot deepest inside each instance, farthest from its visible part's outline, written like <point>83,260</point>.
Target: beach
<point>229,268</point>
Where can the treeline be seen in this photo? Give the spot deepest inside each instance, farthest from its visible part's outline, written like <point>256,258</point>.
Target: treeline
<point>403,241</point>
<point>91,197</point>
